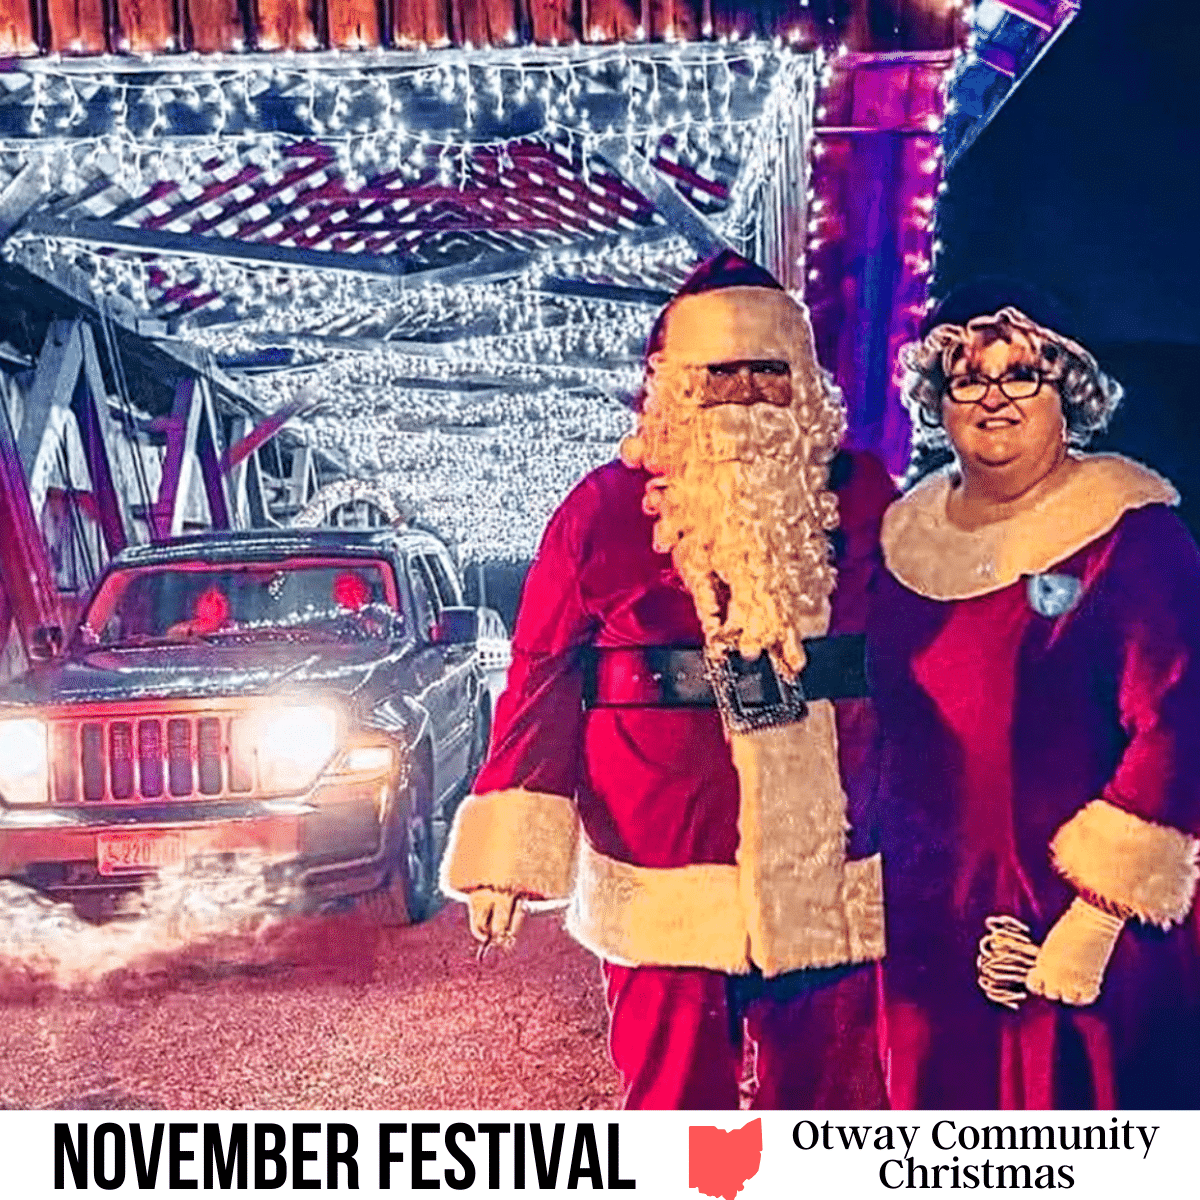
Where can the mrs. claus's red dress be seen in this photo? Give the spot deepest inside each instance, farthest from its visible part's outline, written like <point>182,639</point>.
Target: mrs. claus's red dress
<point>1038,682</point>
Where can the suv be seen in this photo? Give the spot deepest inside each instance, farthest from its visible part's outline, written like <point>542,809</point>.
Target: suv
<point>311,698</point>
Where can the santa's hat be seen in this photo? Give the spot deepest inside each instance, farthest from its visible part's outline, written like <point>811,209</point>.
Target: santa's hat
<point>730,310</point>
<point>725,269</point>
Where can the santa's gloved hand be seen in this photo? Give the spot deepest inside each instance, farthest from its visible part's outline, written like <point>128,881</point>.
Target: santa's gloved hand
<point>495,916</point>
<point>1070,964</point>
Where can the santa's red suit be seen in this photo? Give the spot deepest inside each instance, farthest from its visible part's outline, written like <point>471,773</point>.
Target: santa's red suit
<point>705,857</point>
<point>721,868</point>
<point>709,900</point>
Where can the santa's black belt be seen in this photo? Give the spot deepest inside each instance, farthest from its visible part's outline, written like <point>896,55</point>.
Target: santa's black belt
<point>679,676</point>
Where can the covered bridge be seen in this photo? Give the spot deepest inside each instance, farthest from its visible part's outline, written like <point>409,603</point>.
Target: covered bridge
<point>269,260</point>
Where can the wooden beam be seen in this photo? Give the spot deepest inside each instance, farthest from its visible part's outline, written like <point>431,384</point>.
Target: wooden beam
<point>26,575</point>
<point>438,351</point>
<point>179,460</point>
<point>18,199</point>
<point>239,492</point>
<point>146,67</point>
<point>249,440</point>
<point>74,283</point>
<point>129,237</point>
<point>48,407</point>
<point>484,269</point>
<point>641,175</point>
<point>104,233</point>
<point>617,293</point>
<point>209,452</point>
<point>111,479</point>
<point>303,477</point>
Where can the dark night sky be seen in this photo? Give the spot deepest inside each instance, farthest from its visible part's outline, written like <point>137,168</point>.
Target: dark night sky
<point>1088,180</point>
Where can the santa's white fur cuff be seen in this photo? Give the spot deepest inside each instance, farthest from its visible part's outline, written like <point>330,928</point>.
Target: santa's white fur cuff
<point>693,916</point>
<point>665,916</point>
<point>513,840</point>
<point>1144,869</point>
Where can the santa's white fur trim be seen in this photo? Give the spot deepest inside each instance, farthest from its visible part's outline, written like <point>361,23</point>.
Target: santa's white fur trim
<point>791,901</point>
<point>692,916</point>
<point>935,558</point>
<point>664,916</point>
<point>863,896</point>
<point>736,324</point>
<point>792,850</point>
<point>1147,870</point>
<point>513,840</point>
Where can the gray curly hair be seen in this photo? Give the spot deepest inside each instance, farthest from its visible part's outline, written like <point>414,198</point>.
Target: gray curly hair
<point>1088,396</point>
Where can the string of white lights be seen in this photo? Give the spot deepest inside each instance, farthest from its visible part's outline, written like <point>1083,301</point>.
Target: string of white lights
<point>479,437</point>
<point>492,490</point>
<point>287,301</point>
<point>383,116</point>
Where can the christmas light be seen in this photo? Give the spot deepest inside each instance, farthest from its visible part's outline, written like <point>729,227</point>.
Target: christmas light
<point>169,114</point>
<point>474,406</point>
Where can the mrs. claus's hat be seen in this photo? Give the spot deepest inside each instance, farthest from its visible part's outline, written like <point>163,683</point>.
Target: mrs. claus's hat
<point>986,295</point>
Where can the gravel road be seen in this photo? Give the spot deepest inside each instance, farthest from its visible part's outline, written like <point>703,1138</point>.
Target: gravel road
<point>314,1013</point>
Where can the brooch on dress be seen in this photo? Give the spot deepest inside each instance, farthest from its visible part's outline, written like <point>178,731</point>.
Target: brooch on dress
<point>1053,595</point>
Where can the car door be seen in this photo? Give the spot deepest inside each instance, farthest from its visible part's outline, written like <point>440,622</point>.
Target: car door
<point>459,665</point>
<point>429,670</point>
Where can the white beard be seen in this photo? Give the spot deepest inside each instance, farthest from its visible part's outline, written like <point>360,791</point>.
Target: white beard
<point>742,509</point>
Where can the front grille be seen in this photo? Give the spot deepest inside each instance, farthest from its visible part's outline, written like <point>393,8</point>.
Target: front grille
<point>151,757</point>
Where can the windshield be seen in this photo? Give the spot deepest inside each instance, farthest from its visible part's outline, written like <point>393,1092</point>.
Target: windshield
<point>293,600</point>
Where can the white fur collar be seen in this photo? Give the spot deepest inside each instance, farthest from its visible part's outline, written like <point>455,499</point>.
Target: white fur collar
<point>934,558</point>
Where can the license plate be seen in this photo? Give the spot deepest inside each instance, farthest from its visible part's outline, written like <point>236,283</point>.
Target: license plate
<point>117,853</point>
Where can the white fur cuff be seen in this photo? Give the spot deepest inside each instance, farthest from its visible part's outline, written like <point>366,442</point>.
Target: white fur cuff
<point>1144,869</point>
<point>660,916</point>
<point>694,916</point>
<point>513,840</point>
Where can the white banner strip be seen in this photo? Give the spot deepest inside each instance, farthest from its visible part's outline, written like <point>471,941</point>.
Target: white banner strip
<point>665,1155</point>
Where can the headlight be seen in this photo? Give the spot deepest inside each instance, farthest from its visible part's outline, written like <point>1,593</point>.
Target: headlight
<point>295,745</point>
<point>24,761</point>
<point>373,759</point>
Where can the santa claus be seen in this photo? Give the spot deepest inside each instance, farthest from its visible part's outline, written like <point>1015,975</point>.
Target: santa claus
<point>683,752</point>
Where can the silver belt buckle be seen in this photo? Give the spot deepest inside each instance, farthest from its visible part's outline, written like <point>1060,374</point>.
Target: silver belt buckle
<point>753,695</point>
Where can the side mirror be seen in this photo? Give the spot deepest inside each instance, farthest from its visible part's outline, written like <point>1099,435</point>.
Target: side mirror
<point>46,643</point>
<point>456,627</point>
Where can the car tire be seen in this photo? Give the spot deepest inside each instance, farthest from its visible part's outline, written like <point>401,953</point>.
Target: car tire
<point>408,893</point>
<point>416,861</point>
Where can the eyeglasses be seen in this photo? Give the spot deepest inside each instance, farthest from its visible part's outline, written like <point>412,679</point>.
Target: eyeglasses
<point>1019,384</point>
<point>748,381</point>
<point>756,366</point>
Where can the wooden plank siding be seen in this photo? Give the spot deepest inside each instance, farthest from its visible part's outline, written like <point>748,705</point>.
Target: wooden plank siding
<point>146,25</point>
<point>285,25</point>
<point>78,26</point>
<point>99,26</point>
<point>17,36</point>
<point>212,26</point>
<point>352,24</point>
